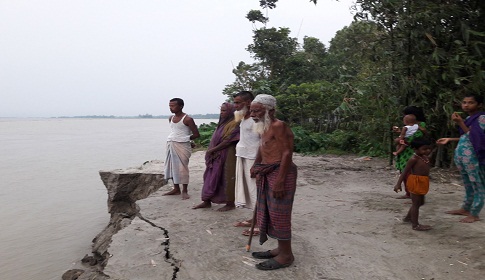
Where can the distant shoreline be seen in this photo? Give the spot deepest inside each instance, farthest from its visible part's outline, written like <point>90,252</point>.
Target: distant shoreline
<point>146,116</point>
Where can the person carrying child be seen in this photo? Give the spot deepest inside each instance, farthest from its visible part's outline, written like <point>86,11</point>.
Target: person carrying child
<point>402,158</point>
<point>470,156</point>
<point>416,174</point>
<point>410,128</point>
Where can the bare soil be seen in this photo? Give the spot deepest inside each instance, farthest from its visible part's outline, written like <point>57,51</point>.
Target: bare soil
<point>346,225</point>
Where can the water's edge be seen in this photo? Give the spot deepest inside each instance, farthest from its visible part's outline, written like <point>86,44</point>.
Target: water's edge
<point>125,187</point>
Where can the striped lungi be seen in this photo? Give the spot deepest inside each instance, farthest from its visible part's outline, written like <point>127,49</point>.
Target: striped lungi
<point>274,215</point>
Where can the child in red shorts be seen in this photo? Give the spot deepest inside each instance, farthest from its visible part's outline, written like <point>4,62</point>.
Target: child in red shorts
<point>417,169</point>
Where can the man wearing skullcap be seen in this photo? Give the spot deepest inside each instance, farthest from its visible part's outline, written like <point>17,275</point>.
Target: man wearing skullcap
<point>276,176</point>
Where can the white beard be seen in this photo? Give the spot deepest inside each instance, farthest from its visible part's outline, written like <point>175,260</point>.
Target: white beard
<point>239,115</point>
<point>262,126</point>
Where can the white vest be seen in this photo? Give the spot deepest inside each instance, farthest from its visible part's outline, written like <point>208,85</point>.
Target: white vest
<point>179,131</point>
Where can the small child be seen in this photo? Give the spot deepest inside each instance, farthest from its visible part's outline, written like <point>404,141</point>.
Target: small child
<point>417,182</point>
<point>410,127</point>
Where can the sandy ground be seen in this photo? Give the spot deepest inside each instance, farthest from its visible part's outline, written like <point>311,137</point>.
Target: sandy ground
<point>346,225</point>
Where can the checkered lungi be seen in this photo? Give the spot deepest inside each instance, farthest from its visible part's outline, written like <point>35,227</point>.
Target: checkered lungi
<point>274,215</point>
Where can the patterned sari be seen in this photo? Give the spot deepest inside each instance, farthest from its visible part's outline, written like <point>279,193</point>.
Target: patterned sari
<point>467,161</point>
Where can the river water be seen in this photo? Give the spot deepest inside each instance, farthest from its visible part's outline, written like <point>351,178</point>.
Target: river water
<point>53,202</point>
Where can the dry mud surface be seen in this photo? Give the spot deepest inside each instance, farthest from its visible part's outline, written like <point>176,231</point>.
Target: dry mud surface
<point>346,225</point>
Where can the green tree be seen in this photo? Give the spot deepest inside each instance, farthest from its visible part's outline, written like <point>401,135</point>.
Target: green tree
<point>305,65</point>
<point>271,47</point>
<point>435,49</point>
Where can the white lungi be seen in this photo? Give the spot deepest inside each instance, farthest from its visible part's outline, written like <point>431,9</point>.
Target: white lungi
<point>246,192</point>
<point>177,162</point>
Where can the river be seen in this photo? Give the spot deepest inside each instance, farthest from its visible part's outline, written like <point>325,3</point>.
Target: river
<point>52,199</point>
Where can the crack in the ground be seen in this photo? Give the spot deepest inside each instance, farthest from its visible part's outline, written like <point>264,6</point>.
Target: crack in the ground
<point>168,256</point>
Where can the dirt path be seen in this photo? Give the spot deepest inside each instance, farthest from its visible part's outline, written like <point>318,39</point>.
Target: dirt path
<point>346,225</point>
<point>351,205</point>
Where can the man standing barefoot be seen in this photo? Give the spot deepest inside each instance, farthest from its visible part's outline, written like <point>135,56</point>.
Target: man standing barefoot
<point>275,175</point>
<point>179,148</point>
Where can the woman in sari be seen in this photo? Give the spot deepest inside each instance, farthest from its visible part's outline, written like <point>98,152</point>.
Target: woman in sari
<point>405,155</point>
<point>220,160</point>
<point>470,156</point>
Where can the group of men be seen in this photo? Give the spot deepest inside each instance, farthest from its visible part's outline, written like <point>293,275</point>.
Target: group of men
<point>248,165</point>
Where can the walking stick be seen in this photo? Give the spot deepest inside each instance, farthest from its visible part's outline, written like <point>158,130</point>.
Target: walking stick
<point>251,231</point>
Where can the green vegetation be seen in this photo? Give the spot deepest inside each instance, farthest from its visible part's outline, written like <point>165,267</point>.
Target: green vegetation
<point>206,131</point>
<point>349,95</point>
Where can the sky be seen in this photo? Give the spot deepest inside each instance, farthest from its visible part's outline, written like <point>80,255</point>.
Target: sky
<point>130,57</point>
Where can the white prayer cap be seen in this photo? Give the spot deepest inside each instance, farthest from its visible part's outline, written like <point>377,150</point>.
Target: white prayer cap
<point>265,99</point>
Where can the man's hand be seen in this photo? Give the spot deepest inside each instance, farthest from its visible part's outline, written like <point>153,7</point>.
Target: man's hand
<point>397,188</point>
<point>278,190</point>
<point>251,171</point>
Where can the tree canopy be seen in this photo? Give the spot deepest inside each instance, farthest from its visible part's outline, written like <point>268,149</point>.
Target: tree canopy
<point>395,53</point>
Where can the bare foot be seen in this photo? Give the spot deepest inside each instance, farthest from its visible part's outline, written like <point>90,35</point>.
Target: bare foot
<point>422,227</point>
<point>226,208</point>
<point>470,219</point>
<point>460,211</point>
<point>406,220</point>
<point>185,196</point>
<point>172,192</point>
<point>204,204</point>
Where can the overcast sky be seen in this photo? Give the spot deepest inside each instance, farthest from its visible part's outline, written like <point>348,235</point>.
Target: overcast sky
<point>129,57</point>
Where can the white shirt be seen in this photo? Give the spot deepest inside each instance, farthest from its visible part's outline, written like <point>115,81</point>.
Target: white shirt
<point>248,144</point>
<point>411,130</point>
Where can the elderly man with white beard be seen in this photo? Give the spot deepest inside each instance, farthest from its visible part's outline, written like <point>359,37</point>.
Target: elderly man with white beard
<point>276,176</point>
<point>246,150</point>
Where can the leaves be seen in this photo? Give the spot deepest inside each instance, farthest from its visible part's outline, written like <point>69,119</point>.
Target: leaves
<point>396,53</point>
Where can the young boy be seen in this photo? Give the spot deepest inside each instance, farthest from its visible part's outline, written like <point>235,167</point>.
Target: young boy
<point>417,181</point>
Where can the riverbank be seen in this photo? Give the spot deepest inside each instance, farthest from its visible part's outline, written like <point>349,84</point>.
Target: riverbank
<point>346,225</point>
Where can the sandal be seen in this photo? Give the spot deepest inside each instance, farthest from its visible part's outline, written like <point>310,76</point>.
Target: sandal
<point>271,264</point>
<point>242,224</point>
<point>422,228</point>
<point>262,255</point>
<point>248,231</point>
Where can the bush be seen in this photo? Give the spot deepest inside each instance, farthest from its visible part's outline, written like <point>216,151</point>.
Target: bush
<point>337,142</point>
<point>206,131</point>
<point>309,142</point>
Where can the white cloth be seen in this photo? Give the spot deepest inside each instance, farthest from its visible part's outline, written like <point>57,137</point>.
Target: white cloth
<point>411,130</point>
<point>246,191</point>
<point>179,131</point>
<point>248,144</point>
<point>177,162</point>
